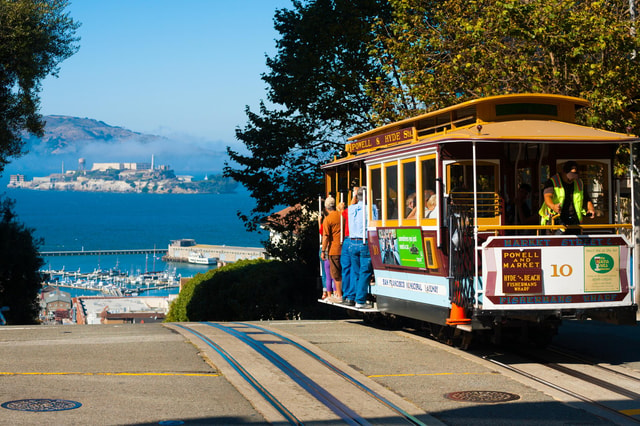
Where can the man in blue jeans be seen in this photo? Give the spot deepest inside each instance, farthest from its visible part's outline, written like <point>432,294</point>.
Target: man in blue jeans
<point>348,290</point>
<point>361,269</point>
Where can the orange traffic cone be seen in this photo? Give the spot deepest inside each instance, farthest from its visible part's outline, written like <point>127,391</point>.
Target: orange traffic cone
<point>457,316</point>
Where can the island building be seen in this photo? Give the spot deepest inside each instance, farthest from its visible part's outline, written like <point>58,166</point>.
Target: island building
<point>103,167</point>
<point>16,179</point>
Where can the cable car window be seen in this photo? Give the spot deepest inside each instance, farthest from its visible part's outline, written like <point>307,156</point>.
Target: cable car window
<point>376,193</point>
<point>391,177</point>
<point>409,190</point>
<point>460,182</point>
<point>343,185</point>
<point>429,199</point>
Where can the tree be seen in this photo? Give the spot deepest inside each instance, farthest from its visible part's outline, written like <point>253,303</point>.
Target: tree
<point>456,50</point>
<point>35,36</point>
<point>335,75</point>
<point>317,86</point>
<point>20,263</point>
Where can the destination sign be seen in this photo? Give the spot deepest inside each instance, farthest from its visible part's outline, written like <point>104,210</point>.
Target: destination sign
<point>373,142</point>
<point>521,271</point>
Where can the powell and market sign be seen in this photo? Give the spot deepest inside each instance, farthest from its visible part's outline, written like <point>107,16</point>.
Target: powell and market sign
<point>373,142</point>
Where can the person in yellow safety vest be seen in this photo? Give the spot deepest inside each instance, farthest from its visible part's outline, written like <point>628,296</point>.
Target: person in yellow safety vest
<point>564,194</point>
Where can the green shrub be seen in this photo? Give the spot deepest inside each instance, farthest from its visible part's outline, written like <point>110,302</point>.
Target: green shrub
<point>244,291</point>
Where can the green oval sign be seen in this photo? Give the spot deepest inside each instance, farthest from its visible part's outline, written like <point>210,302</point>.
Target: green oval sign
<point>601,263</point>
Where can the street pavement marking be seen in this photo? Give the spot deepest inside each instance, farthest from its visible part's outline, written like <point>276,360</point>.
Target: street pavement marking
<point>62,373</point>
<point>427,374</point>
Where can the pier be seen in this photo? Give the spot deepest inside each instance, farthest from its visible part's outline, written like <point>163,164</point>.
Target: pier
<point>181,250</point>
<point>102,252</point>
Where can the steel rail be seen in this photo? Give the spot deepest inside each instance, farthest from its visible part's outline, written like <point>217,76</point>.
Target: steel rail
<point>410,418</point>
<point>290,417</point>
<point>313,388</point>
<point>562,389</point>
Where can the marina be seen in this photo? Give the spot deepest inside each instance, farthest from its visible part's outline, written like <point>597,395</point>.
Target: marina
<point>111,282</point>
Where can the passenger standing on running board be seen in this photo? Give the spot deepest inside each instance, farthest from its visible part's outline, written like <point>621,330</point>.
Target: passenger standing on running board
<point>361,269</point>
<point>348,277</point>
<point>331,246</point>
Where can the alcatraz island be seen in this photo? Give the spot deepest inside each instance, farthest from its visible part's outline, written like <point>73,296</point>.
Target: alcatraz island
<point>125,177</point>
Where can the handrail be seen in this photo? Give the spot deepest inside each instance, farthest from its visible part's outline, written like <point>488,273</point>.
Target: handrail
<point>448,123</point>
<point>497,228</point>
<point>489,203</point>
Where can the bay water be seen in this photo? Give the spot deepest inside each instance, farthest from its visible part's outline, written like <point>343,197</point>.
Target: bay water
<point>67,221</point>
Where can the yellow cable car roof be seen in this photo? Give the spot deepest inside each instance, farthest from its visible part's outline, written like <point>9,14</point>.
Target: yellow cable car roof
<point>482,109</point>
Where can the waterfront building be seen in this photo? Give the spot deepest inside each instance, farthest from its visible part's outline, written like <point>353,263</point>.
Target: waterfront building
<point>55,304</point>
<point>120,310</point>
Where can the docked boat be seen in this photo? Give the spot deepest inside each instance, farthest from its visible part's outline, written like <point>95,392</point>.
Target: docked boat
<point>201,259</point>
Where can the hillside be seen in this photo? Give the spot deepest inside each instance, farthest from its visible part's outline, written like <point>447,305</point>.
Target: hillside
<point>67,140</point>
<point>64,134</point>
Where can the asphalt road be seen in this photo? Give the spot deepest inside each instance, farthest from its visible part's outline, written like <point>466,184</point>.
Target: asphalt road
<point>152,374</point>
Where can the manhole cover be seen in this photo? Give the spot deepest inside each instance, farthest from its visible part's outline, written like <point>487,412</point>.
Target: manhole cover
<point>482,396</point>
<point>41,405</point>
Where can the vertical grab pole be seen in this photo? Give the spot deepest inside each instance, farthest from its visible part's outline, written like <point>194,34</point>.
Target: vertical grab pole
<point>365,216</point>
<point>341,220</point>
<point>635,270</point>
<point>475,227</point>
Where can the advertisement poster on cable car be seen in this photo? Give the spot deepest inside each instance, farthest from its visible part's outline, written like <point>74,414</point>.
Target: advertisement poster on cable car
<point>401,247</point>
<point>552,271</point>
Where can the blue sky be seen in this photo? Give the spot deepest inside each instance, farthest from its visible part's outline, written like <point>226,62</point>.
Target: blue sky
<point>175,68</point>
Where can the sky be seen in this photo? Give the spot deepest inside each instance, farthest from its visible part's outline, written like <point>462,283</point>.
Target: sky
<point>182,69</point>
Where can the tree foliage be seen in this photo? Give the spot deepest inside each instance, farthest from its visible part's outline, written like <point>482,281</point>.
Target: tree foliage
<point>35,36</point>
<point>457,50</point>
<point>317,96</point>
<point>20,263</point>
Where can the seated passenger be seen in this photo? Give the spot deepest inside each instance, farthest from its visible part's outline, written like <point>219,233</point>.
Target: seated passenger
<point>411,206</point>
<point>430,210</point>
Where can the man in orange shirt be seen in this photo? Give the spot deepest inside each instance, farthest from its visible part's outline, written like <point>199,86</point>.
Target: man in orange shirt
<point>331,245</point>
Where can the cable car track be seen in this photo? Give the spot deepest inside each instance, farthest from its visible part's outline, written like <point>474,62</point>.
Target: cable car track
<point>344,396</point>
<point>578,378</point>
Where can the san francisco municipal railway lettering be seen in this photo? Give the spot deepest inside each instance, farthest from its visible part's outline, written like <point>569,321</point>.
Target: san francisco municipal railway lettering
<point>412,285</point>
<point>521,271</point>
